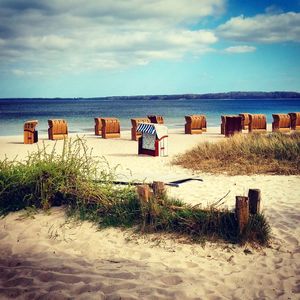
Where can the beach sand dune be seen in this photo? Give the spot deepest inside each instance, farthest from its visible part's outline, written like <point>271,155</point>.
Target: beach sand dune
<point>50,257</point>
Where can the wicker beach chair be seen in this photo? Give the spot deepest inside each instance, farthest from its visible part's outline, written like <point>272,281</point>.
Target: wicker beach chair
<point>58,129</point>
<point>156,119</point>
<point>110,128</point>
<point>281,123</point>
<point>232,125</point>
<point>295,120</point>
<point>257,123</point>
<point>135,135</point>
<point>245,120</point>
<point>223,124</point>
<point>98,126</point>
<point>195,124</point>
<point>30,134</point>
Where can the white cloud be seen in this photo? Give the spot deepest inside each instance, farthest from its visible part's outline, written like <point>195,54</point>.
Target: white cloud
<point>240,49</point>
<point>78,34</point>
<point>268,28</point>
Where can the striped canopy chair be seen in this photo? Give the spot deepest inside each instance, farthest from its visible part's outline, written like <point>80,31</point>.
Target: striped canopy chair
<point>154,139</point>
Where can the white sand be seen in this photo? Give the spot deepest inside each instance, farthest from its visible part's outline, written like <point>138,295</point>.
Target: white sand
<point>49,258</point>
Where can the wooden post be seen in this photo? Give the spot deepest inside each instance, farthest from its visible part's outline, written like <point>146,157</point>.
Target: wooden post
<point>242,211</point>
<point>254,196</point>
<point>143,192</point>
<point>159,189</point>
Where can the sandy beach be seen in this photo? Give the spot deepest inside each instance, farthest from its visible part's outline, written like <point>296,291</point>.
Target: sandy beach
<point>47,256</point>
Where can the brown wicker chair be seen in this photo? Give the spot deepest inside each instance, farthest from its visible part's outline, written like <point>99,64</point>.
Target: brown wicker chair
<point>257,123</point>
<point>281,123</point>
<point>223,124</point>
<point>98,126</point>
<point>232,125</point>
<point>156,119</point>
<point>110,128</point>
<point>135,135</point>
<point>195,124</point>
<point>58,129</point>
<point>295,120</point>
<point>30,134</point>
<point>245,120</point>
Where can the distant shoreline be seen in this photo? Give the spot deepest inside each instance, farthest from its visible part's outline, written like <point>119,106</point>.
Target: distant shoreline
<point>207,96</point>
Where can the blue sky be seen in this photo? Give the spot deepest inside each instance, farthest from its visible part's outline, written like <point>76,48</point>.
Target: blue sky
<point>96,48</point>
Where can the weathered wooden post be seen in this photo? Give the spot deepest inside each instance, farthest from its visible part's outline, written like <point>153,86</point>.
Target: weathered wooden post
<point>143,192</point>
<point>254,196</point>
<point>242,211</point>
<point>159,189</point>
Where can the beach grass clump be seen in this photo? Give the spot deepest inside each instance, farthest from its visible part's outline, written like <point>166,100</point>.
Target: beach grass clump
<point>274,153</point>
<point>52,177</point>
<point>203,224</point>
<point>84,185</point>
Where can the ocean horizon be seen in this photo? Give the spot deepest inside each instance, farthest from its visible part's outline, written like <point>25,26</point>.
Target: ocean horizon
<point>80,112</point>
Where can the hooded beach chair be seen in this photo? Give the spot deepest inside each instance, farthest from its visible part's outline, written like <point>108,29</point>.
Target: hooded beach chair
<point>30,134</point>
<point>257,123</point>
<point>231,125</point>
<point>295,120</point>
<point>58,129</point>
<point>154,139</point>
<point>156,119</point>
<point>135,135</point>
<point>281,123</point>
<point>195,124</point>
<point>98,126</point>
<point>245,120</point>
<point>110,128</point>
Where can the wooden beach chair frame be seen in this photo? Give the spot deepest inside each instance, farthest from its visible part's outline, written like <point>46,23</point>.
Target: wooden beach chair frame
<point>245,120</point>
<point>295,120</point>
<point>135,135</point>
<point>156,119</point>
<point>257,123</point>
<point>110,128</point>
<point>195,124</point>
<point>58,129</point>
<point>281,123</point>
<point>30,133</point>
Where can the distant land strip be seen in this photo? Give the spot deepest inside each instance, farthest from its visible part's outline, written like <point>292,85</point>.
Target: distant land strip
<point>228,95</point>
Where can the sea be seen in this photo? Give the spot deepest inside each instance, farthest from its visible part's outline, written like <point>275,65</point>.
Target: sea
<point>80,113</point>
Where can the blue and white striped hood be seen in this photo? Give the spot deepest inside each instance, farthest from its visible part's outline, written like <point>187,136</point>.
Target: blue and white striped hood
<point>158,129</point>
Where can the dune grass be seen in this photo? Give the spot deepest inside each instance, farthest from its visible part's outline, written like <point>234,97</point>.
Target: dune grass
<point>245,154</point>
<point>83,183</point>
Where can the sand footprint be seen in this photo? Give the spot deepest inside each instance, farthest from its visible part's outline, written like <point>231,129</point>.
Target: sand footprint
<point>172,280</point>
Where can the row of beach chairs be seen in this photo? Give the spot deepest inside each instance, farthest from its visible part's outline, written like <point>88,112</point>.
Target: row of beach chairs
<point>195,124</point>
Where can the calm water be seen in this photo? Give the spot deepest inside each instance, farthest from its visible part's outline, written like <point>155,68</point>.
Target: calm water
<point>80,113</point>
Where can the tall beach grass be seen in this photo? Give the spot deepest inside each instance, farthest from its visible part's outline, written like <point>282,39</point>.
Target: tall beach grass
<point>84,185</point>
<point>241,154</point>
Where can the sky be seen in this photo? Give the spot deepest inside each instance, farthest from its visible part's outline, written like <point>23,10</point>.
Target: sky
<point>94,48</point>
